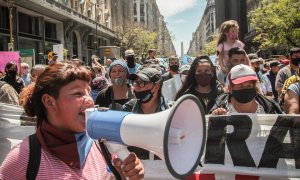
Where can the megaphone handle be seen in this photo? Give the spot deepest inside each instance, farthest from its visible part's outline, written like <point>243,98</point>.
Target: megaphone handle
<point>107,158</point>
<point>120,150</point>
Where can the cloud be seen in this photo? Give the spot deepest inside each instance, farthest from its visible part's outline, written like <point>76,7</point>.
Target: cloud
<point>171,7</point>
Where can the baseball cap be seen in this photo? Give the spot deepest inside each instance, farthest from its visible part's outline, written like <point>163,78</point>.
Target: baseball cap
<point>129,52</point>
<point>285,61</point>
<point>274,63</point>
<point>147,74</point>
<point>252,56</point>
<point>242,73</point>
<point>255,60</point>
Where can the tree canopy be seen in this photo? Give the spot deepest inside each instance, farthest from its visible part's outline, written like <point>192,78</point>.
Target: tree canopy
<point>137,38</point>
<point>277,24</point>
<point>210,47</point>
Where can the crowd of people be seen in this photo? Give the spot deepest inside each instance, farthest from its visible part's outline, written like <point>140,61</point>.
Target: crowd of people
<point>59,93</point>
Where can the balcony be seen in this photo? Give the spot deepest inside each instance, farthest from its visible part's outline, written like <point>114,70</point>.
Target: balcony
<point>59,11</point>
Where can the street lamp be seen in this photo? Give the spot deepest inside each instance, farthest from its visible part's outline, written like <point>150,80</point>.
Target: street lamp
<point>10,5</point>
<point>97,4</point>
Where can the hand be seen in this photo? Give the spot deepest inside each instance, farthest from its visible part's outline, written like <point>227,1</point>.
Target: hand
<point>131,167</point>
<point>219,111</point>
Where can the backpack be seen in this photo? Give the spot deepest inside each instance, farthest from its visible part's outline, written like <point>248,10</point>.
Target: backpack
<point>35,158</point>
<point>292,80</point>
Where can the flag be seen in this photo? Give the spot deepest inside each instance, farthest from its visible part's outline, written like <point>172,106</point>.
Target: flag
<point>186,59</point>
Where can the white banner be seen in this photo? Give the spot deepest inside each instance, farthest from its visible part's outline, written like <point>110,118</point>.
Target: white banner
<point>239,146</point>
<point>171,87</point>
<point>59,50</point>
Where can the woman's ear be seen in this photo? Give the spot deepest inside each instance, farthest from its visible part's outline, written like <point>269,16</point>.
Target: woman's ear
<point>155,88</point>
<point>48,101</point>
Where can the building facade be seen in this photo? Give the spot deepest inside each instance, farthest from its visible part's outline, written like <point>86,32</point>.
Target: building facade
<point>81,26</point>
<point>205,31</point>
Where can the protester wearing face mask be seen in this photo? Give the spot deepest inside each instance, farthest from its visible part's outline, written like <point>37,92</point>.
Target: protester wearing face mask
<point>11,77</point>
<point>133,66</point>
<point>244,95</point>
<point>119,92</point>
<point>271,74</point>
<point>147,85</point>
<point>264,81</point>
<point>174,65</point>
<point>201,81</point>
<point>288,70</point>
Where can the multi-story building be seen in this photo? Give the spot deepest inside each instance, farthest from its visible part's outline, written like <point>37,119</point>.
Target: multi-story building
<point>80,25</point>
<point>205,31</point>
<point>146,13</point>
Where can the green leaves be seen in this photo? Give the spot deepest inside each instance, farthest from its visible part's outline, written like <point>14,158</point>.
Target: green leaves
<point>277,24</point>
<point>137,38</point>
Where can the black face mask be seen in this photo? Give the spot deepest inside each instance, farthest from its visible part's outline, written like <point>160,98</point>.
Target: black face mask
<point>12,74</point>
<point>203,79</point>
<point>174,68</point>
<point>295,61</point>
<point>256,69</point>
<point>244,95</point>
<point>130,61</point>
<point>144,96</point>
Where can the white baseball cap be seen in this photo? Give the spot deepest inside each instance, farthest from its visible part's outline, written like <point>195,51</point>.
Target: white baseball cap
<point>242,73</point>
<point>129,52</point>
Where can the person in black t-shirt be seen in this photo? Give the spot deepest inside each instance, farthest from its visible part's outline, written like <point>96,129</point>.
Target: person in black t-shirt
<point>119,92</point>
<point>202,82</point>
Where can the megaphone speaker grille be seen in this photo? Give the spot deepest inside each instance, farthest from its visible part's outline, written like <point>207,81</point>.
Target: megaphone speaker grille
<point>186,121</point>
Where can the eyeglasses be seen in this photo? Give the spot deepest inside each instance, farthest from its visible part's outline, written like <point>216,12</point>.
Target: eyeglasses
<point>139,83</point>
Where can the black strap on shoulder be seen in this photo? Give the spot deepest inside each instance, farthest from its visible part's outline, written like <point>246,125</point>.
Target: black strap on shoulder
<point>34,157</point>
<point>107,157</point>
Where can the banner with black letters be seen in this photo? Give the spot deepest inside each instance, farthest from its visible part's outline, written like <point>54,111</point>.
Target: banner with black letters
<point>238,146</point>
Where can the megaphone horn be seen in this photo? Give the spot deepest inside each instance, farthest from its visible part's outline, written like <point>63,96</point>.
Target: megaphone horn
<point>176,135</point>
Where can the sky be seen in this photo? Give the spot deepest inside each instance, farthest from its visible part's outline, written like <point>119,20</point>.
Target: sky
<point>182,18</point>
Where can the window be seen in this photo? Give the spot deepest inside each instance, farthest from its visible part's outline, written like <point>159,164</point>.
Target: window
<point>4,18</point>
<point>89,12</point>
<point>28,24</point>
<point>142,8</point>
<point>76,5</point>
<point>134,9</point>
<point>72,4</point>
<point>74,42</point>
<point>90,41</point>
<point>50,30</point>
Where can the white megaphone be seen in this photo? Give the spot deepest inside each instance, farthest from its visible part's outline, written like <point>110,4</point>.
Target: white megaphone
<point>176,135</point>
